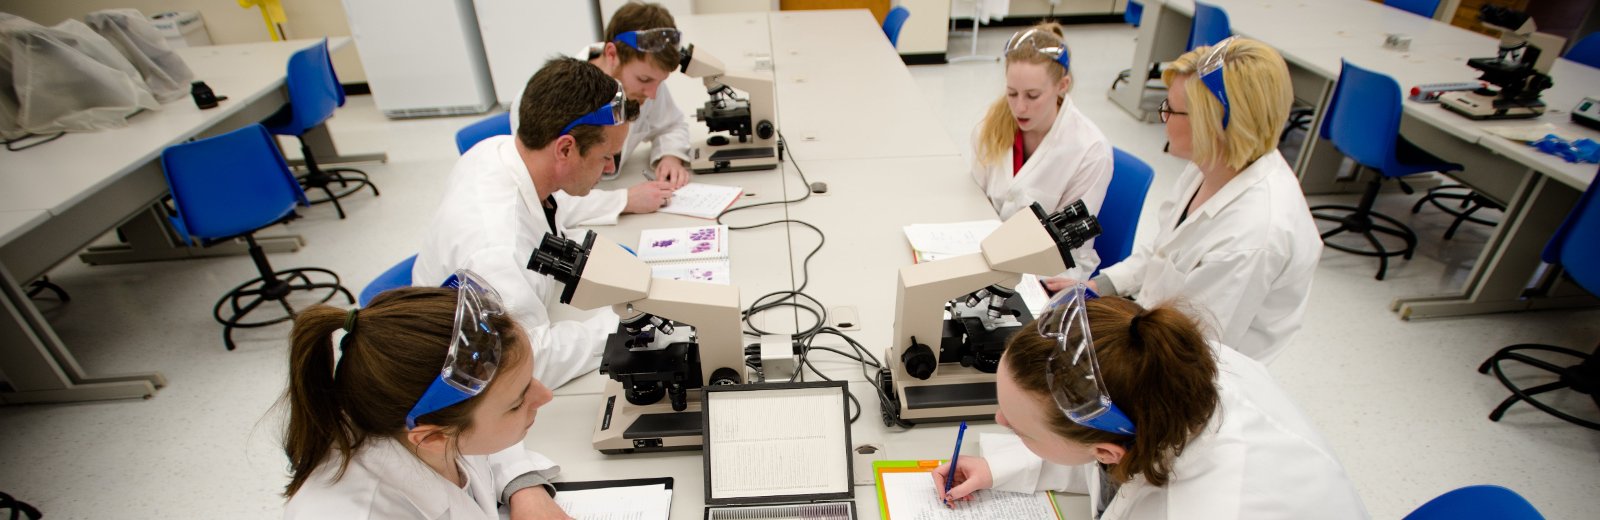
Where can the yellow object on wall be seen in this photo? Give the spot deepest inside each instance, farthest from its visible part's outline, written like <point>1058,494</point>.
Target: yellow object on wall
<point>271,14</point>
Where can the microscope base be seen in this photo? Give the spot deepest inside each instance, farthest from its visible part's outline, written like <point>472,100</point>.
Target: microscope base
<point>1479,107</point>
<point>734,158</point>
<point>954,394</point>
<point>624,427</point>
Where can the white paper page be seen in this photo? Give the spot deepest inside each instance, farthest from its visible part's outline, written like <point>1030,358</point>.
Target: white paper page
<point>778,442</point>
<point>691,243</point>
<point>912,496</point>
<point>701,200</point>
<point>709,272</point>
<point>653,502</point>
<point>955,238</point>
<point>1032,293</point>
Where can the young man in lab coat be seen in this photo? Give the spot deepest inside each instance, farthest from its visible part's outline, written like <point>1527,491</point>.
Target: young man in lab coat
<point>640,50</point>
<point>1034,145</point>
<point>501,199</point>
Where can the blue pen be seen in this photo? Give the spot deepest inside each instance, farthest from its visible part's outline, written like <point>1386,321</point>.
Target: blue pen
<point>950,478</point>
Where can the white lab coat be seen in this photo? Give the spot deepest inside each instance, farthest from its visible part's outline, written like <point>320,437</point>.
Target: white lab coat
<point>491,220</point>
<point>1246,257</point>
<point>384,480</point>
<point>1073,163</point>
<point>1259,458</point>
<point>660,121</point>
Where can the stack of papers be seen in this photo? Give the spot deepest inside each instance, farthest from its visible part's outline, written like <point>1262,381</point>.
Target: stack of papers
<point>649,502</point>
<point>702,200</point>
<point>931,242</point>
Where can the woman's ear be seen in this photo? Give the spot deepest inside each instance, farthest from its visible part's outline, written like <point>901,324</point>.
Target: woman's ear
<point>428,438</point>
<point>1065,84</point>
<point>1108,453</point>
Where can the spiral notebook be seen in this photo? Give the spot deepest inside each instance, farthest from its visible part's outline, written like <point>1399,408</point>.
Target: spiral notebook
<point>698,253</point>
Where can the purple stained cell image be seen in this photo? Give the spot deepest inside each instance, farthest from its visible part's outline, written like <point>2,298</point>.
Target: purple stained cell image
<point>701,247</point>
<point>663,243</point>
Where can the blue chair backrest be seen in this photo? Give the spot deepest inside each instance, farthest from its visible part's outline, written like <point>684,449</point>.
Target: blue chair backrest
<point>1133,13</point>
<point>893,22</point>
<point>1119,214</point>
<point>1364,118</point>
<point>1423,8</point>
<point>1577,241</point>
<point>314,92</point>
<point>396,277</point>
<point>1210,26</point>
<point>230,184</point>
<point>1474,502</point>
<point>1586,51</point>
<point>495,124</point>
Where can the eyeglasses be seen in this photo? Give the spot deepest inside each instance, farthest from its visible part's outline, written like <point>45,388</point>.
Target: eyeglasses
<point>1072,371</point>
<point>1167,112</point>
<point>1211,74</point>
<point>609,114</point>
<point>651,40</point>
<point>474,347</point>
<point>1043,42</point>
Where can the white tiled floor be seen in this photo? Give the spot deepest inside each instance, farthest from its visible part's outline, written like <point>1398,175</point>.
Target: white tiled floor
<point>1400,401</point>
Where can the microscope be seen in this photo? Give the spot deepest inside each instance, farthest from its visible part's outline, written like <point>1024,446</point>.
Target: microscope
<point>1521,70</point>
<point>942,369</point>
<point>675,337</point>
<point>750,123</point>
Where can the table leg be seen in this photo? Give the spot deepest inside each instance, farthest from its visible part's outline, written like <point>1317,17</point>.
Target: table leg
<point>1163,34</point>
<point>321,143</point>
<point>1499,280</point>
<point>38,367</point>
<point>150,238</point>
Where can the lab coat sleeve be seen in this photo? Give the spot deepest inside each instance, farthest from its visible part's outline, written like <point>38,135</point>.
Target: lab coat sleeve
<point>514,462</point>
<point>1017,469</point>
<point>598,208</point>
<point>1128,275</point>
<point>671,136</point>
<point>1230,286</point>
<point>562,350</point>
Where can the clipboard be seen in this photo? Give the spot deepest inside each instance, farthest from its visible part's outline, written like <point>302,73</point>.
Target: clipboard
<point>600,484</point>
<point>881,467</point>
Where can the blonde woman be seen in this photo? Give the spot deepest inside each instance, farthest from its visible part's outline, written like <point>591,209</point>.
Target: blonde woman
<point>1034,145</point>
<point>1235,238</point>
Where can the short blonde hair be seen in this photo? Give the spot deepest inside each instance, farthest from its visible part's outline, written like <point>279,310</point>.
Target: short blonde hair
<point>1259,99</point>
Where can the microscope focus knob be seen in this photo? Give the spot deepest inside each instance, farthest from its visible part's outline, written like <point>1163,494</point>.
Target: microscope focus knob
<point>919,361</point>
<point>725,376</point>
<point>764,129</point>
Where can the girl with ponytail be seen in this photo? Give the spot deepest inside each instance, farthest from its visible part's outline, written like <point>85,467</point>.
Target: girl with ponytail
<point>1034,145</point>
<point>1174,427</point>
<point>377,429</point>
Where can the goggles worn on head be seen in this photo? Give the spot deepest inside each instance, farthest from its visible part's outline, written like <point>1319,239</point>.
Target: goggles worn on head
<point>1072,371</point>
<point>610,114</point>
<point>474,347</point>
<point>1211,74</point>
<point>651,40</point>
<point>1049,45</point>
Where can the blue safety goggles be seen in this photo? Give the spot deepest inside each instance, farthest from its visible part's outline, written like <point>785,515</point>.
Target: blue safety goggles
<point>1072,371</point>
<point>1211,75</point>
<point>610,114</point>
<point>1043,42</point>
<point>651,40</point>
<point>474,347</point>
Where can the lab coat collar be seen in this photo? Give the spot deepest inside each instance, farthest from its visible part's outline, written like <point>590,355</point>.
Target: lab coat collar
<point>512,164</point>
<point>391,463</point>
<point>1256,173</point>
<point>1058,131</point>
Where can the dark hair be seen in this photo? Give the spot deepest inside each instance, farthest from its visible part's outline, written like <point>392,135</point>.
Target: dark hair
<point>1162,375</point>
<point>562,91</point>
<point>639,16</point>
<point>394,353</point>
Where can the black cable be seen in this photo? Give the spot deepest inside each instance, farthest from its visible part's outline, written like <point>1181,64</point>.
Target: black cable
<point>11,142</point>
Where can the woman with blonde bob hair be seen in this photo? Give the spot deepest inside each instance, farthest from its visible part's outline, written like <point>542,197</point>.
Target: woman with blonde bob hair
<point>1175,428</point>
<point>1034,145</point>
<point>1235,237</point>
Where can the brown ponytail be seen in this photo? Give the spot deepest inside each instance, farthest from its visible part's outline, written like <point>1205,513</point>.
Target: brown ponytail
<point>999,127</point>
<point>1157,367</point>
<point>396,350</point>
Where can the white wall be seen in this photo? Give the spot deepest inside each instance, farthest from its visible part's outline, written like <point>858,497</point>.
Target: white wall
<point>226,22</point>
